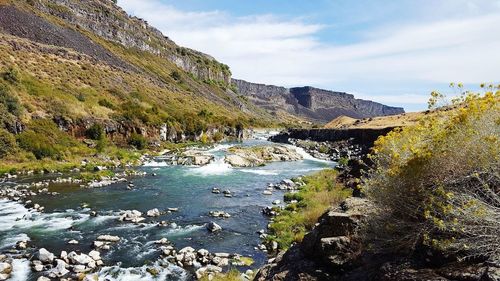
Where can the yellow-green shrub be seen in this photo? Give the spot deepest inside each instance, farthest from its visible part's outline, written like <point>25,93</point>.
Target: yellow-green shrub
<point>437,182</point>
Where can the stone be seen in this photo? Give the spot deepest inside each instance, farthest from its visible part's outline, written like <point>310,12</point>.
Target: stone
<point>95,255</point>
<point>162,241</point>
<point>80,259</point>
<point>213,227</point>
<point>5,268</point>
<point>131,216</point>
<point>186,250</point>
<point>267,192</point>
<point>42,278</point>
<point>45,256</point>
<point>108,238</point>
<point>73,242</point>
<point>91,277</point>
<point>21,245</point>
<point>60,269</point>
<point>203,253</point>
<point>153,213</point>
<point>276,202</point>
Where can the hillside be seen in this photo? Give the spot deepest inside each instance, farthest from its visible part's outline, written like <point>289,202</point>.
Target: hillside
<point>91,71</point>
<point>310,103</point>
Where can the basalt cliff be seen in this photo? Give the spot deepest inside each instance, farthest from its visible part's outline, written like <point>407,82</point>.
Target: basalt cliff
<point>311,103</point>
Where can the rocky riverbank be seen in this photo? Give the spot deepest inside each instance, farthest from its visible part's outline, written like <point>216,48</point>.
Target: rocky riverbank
<point>334,250</point>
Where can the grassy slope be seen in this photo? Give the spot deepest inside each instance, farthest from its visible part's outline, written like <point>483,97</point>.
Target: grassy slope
<point>53,81</point>
<point>320,192</point>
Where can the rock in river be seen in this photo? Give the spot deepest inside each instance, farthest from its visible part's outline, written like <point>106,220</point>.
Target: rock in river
<point>213,227</point>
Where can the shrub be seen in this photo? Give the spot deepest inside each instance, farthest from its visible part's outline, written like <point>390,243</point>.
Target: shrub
<point>106,103</point>
<point>437,182</point>
<point>138,141</point>
<point>319,193</point>
<point>7,143</point>
<point>11,75</point>
<point>44,139</point>
<point>10,102</point>
<point>176,75</point>
<point>37,144</point>
<point>95,132</point>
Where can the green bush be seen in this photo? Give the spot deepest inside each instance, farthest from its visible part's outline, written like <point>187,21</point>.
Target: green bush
<point>44,139</point>
<point>138,141</point>
<point>10,102</point>
<point>106,103</point>
<point>95,132</point>
<point>319,193</point>
<point>37,144</point>
<point>176,75</point>
<point>11,75</point>
<point>437,182</point>
<point>7,143</point>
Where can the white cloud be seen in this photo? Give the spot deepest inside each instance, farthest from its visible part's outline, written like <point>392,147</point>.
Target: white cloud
<point>273,50</point>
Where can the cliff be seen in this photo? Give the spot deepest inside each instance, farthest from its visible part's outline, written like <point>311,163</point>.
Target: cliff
<point>311,103</point>
<point>107,20</point>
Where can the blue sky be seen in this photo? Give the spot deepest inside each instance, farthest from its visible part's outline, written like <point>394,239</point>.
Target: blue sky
<point>394,52</point>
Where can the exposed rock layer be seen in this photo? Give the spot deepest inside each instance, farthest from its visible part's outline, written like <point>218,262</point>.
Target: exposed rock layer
<point>312,103</point>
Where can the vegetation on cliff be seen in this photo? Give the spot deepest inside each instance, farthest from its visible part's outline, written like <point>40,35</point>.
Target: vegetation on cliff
<point>437,183</point>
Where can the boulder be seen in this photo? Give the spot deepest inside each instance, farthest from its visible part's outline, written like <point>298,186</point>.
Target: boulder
<point>45,256</point>
<point>213,227</point>
<point>108,238</point>
<point>60,269</point>
<point>131,216</point>
<point>42,278</point>
<point>95,255</point>
<point>82,259</point>
<point>5,268</point>
<point>153,213</point>
<point>162,241</point>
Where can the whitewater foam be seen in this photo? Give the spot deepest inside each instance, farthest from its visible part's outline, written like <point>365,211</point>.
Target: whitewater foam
<point>260,172</point>
<point>165,272</point>
<point>14,215</point>
<point>155,164</point>
<point>218,167</point>
<point>307,156</point>
<point>20,270</point>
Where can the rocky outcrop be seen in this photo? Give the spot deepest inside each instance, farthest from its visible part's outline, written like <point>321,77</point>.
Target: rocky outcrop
<point>364,137</point>
<point>108,21</point>
<point>312,103</point>
<point>335,250</point>
<point>332,246</point>
<point>260,155</point>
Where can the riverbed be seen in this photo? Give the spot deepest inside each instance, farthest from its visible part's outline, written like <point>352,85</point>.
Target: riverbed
<point>67,216</point>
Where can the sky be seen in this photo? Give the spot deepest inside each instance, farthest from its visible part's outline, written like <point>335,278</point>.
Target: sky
<point>393,52</point>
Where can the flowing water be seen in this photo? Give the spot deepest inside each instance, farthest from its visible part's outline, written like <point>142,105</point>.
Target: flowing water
<point>186,188</point>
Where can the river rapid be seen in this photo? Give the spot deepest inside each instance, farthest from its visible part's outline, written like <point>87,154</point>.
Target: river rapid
<point>67,215</point>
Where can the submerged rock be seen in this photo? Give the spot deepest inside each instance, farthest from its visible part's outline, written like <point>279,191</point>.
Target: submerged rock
<point>213,227</point>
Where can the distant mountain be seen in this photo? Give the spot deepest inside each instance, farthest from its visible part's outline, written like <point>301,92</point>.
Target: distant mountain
<point>312,103</point>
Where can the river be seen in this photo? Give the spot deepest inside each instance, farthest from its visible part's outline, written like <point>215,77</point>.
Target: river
<point>67,215</point>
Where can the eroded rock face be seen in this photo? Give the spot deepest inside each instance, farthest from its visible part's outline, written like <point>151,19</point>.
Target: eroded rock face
<point>107,20</point>
<point>312,103</point>
<point>333,250</point>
